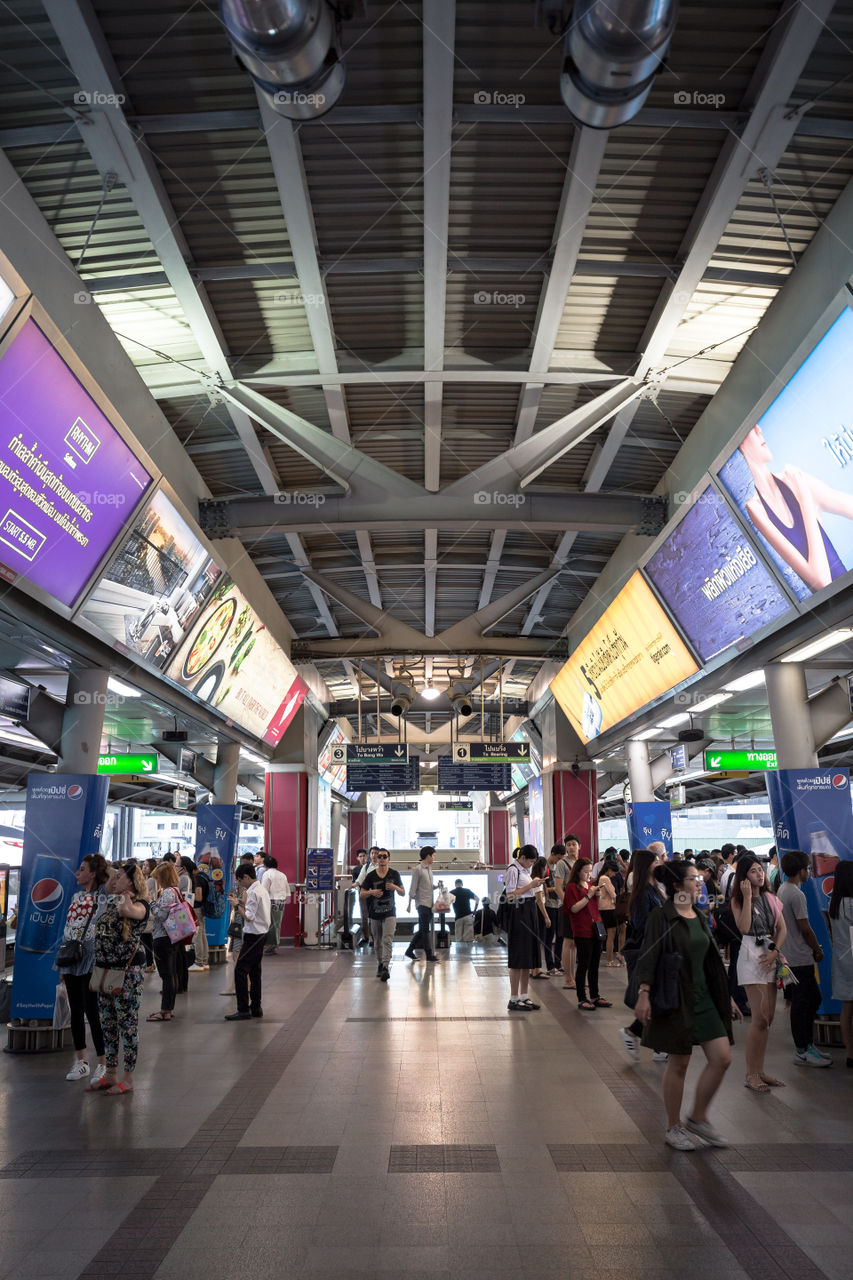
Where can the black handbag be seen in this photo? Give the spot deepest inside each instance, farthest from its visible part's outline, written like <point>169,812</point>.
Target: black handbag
<point>665,994</point>
<point>69,954</point>
<point>235,928</point>
<point>601,930</point>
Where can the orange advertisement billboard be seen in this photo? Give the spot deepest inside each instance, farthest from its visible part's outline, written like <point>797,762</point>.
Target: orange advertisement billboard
<point>631,656</point>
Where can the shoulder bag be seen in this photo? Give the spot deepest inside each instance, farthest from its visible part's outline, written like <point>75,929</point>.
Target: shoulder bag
<point>181,922</point>
<point>665,994</point>
<point>70,953</point>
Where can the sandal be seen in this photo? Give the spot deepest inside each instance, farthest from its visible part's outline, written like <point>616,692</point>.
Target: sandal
<point>540,976</point>
<point>773,1082</point>
<point>120,1087</point>
<point>586,1004</point>
<point>569,986</point>
<point>761,1087</point>
<point>158,1017</point>
<point>602,1004</point>
<point>99,1086</point>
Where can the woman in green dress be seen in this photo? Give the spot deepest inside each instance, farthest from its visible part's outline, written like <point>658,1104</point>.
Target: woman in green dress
<point>704,1010</point>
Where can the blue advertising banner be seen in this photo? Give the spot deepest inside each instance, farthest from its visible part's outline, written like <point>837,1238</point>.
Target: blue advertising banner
<point>320,869</point>
<point>812,811</point>
<point>649,820</point>
<point>711,580</point>
<point>64,821</point>
<point>216,832</point>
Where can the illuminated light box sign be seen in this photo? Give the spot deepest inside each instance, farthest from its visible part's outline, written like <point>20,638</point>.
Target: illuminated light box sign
<point>792,476</point>
<point>68,482</point>
<point>128,763</point>
<point>631,656</point>
<point>712,582</point>
<point>229,660</point>
<point>7,297</point>
<point>165,599</point>
<point>749,761</point>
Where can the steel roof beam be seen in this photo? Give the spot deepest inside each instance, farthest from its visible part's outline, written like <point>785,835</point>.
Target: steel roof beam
<point>115,149</point>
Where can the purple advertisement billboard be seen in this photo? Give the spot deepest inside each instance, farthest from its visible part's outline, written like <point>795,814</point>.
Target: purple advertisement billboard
<point>711,580</point>
<point>68,482</point>
<point>792,477</point>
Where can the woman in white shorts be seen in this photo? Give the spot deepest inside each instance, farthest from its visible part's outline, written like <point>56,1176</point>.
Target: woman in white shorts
<point>758,915</point>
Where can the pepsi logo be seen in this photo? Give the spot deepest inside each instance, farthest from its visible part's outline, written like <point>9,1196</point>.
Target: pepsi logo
<point>839,780</point>
<point>827,885</point>
<point>75,791</point>
<point>47,894</point>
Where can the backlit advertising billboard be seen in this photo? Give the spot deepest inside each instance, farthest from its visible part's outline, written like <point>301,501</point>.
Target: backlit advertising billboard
<point>631,656</point>
<point>229,660</point>
<point>792,476</point>
<point>68,482</point>
<point>712,580</point>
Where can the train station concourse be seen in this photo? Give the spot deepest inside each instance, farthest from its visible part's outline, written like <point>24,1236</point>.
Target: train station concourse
<point>426,639</point>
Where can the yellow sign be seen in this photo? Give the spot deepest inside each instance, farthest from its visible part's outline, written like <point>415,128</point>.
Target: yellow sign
<point>630,657</point>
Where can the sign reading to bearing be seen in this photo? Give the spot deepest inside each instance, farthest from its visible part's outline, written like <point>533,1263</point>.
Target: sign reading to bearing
<point>490,752</point>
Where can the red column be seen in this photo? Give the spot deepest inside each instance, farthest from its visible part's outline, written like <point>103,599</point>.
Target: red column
<point>576,808</point>
<point>358,826</point>
<point>286,834</point>
<point>497,832</point>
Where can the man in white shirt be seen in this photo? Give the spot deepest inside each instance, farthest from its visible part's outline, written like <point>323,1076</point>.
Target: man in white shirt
<point>276,884</point>
<point>247,970</point>
<point>421,892</point>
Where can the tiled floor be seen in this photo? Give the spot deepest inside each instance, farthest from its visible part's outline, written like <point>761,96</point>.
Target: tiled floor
<point>417,1128</point>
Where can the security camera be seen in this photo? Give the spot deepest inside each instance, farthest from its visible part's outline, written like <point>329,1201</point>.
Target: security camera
<point>402,695</point>
<point>460,699</point>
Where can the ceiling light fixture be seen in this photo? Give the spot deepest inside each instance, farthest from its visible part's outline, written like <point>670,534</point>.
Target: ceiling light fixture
<point>743,683</point>
<point>820,645</point>
<point>645,735</point>
<point>122,689</point>
<point>672,721</point>
<point>430,692</point>
<point>713,700</point>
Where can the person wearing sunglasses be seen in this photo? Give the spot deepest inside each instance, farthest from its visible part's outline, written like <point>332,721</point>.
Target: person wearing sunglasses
<point>378,893</point>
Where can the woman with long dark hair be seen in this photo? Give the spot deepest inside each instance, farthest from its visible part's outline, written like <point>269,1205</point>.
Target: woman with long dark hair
<point>168,895</point>
<point>758,915</point>
<point>841,924</point>
<point>647,894</point>
<point>83,911</point>
<point>580,903</point>
<point>522,934</point>
<point>539,871</point>
<point>118,946</point>
<point>704,1009</point>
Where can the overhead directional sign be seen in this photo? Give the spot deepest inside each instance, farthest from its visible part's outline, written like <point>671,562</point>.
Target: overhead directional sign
<point>739,761</point>
<point>400,806</point>
<point>140,762</point>
<point>455,806</point>
<point>679,757</point>
<point>455,776</point>
<point>490,752</point>
<point>384,774</point>
<point>377,753</point>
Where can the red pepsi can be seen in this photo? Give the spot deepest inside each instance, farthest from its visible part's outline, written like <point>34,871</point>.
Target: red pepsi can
<point>45,905</point>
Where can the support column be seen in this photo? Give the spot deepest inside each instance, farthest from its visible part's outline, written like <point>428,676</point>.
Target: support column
<point>790,715</point>
<point>286,832</point>
<point>225,772</point>
<point>83,721</point>
<point>640,772</point>
<point>358,829</point>
<point>571,806</point>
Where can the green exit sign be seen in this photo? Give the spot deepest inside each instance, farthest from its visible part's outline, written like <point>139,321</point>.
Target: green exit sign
<point>141,762</point>
<point>739,761</point>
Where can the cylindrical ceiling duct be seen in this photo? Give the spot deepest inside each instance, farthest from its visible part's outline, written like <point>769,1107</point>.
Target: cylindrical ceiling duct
<point>613,52</point>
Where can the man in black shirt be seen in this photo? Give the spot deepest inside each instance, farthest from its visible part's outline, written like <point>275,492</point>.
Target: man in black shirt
<point>464,912</point>
<point>377,892</point>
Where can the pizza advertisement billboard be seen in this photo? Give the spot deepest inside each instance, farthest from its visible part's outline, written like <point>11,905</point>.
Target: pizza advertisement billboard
<point>632,656</point>
<point>712,580</point>
<point>791,477</point>
<point>68,481</point>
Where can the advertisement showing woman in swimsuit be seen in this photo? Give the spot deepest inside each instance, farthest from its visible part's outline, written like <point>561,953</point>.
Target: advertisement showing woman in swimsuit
<point>792,477</point>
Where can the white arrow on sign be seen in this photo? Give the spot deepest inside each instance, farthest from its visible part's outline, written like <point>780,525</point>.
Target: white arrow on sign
<point>147,766</point>
<point>399,752</point>
<point>715,761</point>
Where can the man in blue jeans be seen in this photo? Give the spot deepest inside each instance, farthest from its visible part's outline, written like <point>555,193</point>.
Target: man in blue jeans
<point>421,892</point>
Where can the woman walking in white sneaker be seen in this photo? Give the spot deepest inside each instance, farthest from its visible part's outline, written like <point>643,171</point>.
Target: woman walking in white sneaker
<point>677,937</point>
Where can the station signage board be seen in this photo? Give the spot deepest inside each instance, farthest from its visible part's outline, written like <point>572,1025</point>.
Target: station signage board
<point>490,752</point>
<point>455,806</point>
<point>740,761</point>
<point>319,869</point>
<point>384,774</point>
<point>400,806</point>
<point>453,776</point>
<point>679,757</point>
<point>128,763</point>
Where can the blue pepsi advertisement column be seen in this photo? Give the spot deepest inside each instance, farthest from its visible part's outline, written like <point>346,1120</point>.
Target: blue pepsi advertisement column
<point>64,822</point>
<point>216,833</point>
<point>649,820</point>
<point>812,811</point>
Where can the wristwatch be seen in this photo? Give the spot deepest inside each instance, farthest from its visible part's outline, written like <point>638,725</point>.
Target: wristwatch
<point>644,988</point>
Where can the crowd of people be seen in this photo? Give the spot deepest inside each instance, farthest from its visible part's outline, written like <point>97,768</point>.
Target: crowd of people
<point>130,919</point>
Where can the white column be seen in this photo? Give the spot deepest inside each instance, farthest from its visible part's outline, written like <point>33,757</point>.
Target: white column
<point>83,721</point>
<point>225,772</point>
<point>639,771</point>
<point>790,715</point>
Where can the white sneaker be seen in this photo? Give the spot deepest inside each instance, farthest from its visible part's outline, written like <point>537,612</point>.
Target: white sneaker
<point>705,1130</point>
<point>630,1042</point>
<point>677,1137</point>
<point>811,1057</point>
<point>660,1057</point>
<point>197,968</point>
<point>79,1071</point>
<point>99,1073</point>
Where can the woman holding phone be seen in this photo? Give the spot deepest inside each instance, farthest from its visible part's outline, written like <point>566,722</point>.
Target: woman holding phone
<point>581,905</point>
